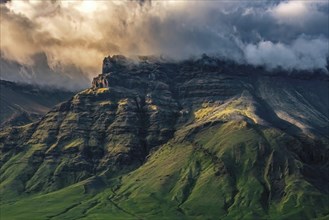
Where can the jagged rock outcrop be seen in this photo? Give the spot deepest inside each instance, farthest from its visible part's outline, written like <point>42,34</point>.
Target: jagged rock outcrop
<point>100,82</point>
<point>114,63</point>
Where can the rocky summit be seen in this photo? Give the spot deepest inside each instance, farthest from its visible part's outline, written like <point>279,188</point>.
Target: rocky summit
<point>155,139</point>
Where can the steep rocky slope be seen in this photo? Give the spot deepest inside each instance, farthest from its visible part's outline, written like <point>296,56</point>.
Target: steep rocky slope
<point>201,139</point>
<point>22,103</point>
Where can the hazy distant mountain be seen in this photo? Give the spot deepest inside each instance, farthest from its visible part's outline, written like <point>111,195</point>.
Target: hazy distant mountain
<point>22,103</point>
<point>199,139</point>
<point>68,77</point>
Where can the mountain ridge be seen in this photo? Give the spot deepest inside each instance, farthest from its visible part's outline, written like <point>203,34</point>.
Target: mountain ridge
<point>25,103</point>
<point>178,141</point>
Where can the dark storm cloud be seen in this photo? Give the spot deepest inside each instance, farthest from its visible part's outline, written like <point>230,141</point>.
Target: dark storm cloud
<point>289,34</point>
<point>4,1</point>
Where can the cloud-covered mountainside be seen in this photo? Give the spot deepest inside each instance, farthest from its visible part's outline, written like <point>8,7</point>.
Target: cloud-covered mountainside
<point>68,78</point>
<point>22,104</point>
<point>75,35</point>
<point>197,140</point>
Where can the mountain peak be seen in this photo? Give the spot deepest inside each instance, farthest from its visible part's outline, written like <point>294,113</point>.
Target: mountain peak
<point>114,62</point>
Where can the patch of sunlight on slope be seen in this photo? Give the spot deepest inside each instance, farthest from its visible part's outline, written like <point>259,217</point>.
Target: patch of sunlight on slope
<point>75,143</point>
<point>233,109</point>
<point>123,102</point>
<point>105,103</point>
<point>102,90</point>
<point>93,91</point>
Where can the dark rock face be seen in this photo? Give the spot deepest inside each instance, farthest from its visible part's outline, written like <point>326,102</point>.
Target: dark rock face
<point>134,107</point>
<point>114,63</point>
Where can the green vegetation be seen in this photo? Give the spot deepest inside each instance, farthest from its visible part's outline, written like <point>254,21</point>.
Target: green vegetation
<point>226,112</point>
<point>222,172</point>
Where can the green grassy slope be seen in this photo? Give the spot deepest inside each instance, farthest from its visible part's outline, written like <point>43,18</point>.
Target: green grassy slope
<point>232,170</point>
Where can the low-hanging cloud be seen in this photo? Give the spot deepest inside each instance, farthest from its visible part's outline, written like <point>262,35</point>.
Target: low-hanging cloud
<point>301,54</point>
<point>74,36</point>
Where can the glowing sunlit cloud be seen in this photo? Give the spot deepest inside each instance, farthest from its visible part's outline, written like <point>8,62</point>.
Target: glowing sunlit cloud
<point>291,9</point>
<point>293,12</point>
<point>82,32</point>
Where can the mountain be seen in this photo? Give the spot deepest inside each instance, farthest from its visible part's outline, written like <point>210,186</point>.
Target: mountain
<point>40,73</point>
<point>22,103</point>
<point>197,139</point>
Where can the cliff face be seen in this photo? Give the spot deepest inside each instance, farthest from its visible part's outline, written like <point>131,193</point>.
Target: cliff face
<point>194,128</point>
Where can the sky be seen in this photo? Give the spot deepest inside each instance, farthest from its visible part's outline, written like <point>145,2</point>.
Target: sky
<point>63,43</point>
